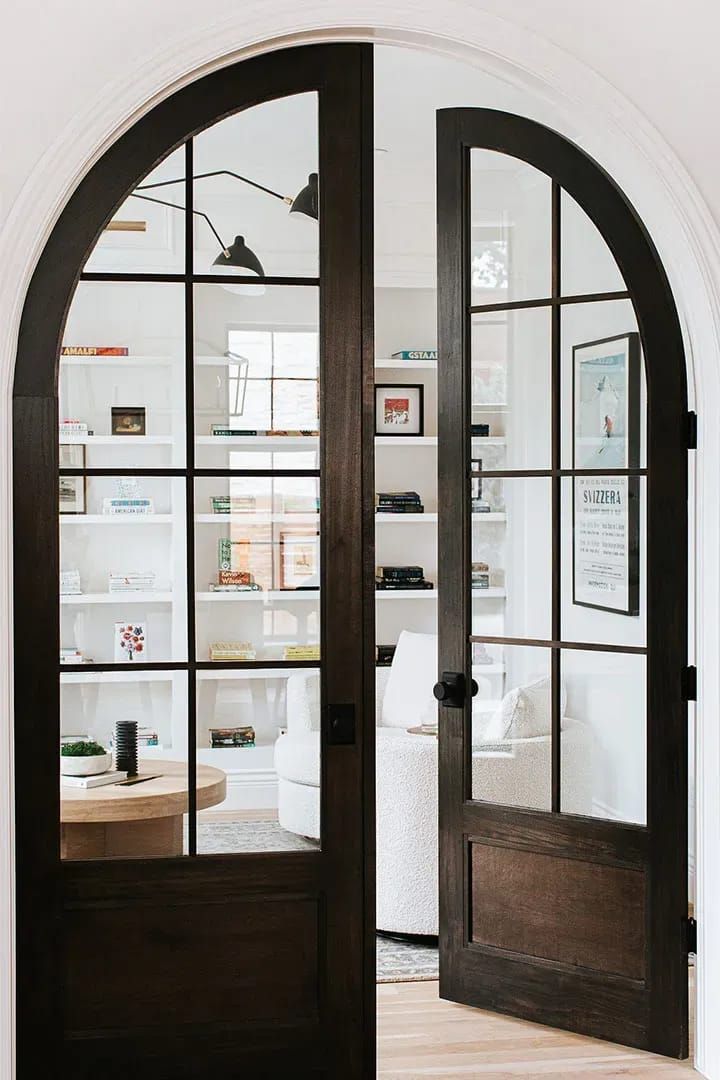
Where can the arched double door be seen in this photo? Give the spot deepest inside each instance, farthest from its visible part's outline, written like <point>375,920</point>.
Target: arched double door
<point>205,402</point>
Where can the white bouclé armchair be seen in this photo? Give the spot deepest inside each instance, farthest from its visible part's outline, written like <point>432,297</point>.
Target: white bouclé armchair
<point>507,770</point>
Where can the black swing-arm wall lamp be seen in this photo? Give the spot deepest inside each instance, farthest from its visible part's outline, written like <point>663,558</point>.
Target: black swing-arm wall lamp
<point>238,254</point>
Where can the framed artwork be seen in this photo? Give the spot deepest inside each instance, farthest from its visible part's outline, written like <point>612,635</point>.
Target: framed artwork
<point>127,419</point>
<point>299,559</point>
<point>606,508</point>
<point>72,489</point>
<point>399,409</point>
<point>130,642</point>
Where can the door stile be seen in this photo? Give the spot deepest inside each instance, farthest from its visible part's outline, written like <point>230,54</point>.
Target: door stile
<point>453,535</point>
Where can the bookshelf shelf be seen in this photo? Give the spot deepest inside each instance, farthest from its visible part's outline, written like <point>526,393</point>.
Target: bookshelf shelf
<point>402,365</point>
<point>431,594</point>
<point>116,519</point>
<point>119,361</point>
<point>253,518</point>
<point>118,598</point>
<point>118,440</point>
<point>261,596</point>
<point>261,442</point>
<point>125,674</point>
<point>430,518</point>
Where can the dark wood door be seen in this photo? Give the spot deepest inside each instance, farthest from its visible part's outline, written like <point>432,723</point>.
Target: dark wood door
<point>563,525</point>
<point>207,960</point>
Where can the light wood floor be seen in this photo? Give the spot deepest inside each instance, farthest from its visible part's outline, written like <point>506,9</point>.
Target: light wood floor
<point>420,1036</point>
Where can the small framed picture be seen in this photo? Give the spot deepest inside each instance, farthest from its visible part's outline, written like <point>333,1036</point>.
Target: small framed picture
<point>130,642</point>
<point>399,409</point>
<point>299,559</point>
<point>72,489</point>
<point>127,419</point>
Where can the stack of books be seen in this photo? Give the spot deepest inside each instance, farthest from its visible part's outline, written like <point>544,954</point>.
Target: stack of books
<point>223,429</point>
<point>133,581</point>
<point>401,577</point>
<point>232,736</point>
<point>480,575</point>
<point>74,656</point>
<point>232,504</point>
<point>147,737</point>
<point>301,652</point>
<point>230,578</point>
<point>384,655</point>
<point>72,429</point>
<point>398,502</point>
<point>128,506</point>
<point>70,583</point>
<point>232,650</point>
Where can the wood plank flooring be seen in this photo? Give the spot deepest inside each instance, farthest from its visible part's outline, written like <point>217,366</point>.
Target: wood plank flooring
<point>421,1036</point>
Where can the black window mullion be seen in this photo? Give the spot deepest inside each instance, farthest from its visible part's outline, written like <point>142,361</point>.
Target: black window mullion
<point>190,501</point>
<point>556,451</point>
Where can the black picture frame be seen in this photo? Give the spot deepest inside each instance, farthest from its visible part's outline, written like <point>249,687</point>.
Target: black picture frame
<point>393,430</point>
<point>612,485</point>
<point>136,414</point>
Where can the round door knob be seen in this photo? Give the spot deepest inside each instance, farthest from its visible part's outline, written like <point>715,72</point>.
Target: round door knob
<point>474,687</point>
<point>442,691</point>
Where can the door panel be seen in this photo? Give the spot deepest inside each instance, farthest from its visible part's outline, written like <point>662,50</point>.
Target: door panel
<point>563,804</point>
<point>185,944</point>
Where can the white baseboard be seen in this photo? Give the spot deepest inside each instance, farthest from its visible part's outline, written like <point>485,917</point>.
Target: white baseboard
<point>250,789</point>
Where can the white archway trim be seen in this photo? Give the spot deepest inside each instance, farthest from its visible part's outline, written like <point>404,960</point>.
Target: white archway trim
<point>561,92</point>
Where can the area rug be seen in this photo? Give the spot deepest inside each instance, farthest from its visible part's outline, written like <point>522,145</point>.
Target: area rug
<point>233,837</point>
<point>398,960</point>
<point>406,961</point>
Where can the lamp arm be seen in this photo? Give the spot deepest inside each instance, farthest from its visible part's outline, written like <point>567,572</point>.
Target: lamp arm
<point>176,206</point>
<point>221,172</point>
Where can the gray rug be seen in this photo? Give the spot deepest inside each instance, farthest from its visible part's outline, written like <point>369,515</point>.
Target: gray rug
<point>397,960</point>
<point>400,961</point>
<point>231,837</point>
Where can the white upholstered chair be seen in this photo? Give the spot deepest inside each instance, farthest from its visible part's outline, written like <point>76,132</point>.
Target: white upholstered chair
<point>505,769</point>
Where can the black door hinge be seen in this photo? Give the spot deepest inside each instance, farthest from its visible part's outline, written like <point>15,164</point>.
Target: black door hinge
<point>691,926</point>
<point>689,683</point>
<point>692,431</point>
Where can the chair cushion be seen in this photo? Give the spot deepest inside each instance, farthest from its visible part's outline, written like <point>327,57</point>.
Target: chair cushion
<point>297,758</point>
<point>408,699</point>
<point>524,713</point>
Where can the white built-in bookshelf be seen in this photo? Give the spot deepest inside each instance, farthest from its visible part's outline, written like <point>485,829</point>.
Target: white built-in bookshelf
<point>96,543</point>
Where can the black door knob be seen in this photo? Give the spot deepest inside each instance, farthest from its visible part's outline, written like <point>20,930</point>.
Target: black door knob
<point>451,689</point>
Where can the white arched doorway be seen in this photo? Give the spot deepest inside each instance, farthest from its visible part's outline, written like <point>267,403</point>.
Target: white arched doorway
<point>595,118</point>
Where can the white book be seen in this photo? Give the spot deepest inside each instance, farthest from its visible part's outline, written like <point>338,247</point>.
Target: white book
<point>114,776</point>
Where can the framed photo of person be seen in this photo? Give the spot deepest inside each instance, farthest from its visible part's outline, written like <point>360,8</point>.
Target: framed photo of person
<point>606,508</point>
<point>72,489</point>
<point>399,410</point>
<point>299,559</point>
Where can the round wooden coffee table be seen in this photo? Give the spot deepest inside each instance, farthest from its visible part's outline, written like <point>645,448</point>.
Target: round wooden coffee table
<point>144,819</point>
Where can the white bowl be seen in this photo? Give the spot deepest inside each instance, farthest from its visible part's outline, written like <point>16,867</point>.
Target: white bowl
<point>84,766</point>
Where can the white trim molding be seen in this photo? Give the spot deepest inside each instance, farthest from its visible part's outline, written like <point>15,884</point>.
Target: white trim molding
<point>557,90</point>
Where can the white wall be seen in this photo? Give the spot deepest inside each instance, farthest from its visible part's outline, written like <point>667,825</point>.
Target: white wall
<point>635,84</point>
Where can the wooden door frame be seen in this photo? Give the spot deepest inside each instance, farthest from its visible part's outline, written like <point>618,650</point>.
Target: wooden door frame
<point>648,1020</point>
<point>44,886</point>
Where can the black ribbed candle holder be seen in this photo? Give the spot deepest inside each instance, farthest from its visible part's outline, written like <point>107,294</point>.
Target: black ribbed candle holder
<point>126,746</point>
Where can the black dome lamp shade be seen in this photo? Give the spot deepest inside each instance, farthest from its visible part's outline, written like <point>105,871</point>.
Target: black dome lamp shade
<point>306,201</point>
<point>240,257</point>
